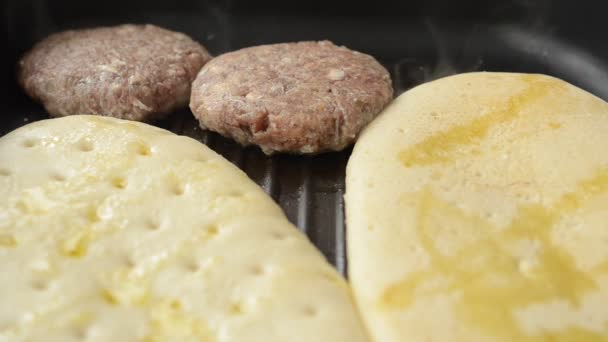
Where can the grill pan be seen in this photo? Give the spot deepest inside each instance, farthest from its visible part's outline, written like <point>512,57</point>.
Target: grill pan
<point>416,42</point>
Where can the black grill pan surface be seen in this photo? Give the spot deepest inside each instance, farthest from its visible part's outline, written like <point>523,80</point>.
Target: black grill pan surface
<point>416,42</point>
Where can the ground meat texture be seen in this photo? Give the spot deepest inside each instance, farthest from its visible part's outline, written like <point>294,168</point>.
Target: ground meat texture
<point>305,97</point>
<point>135,72</point>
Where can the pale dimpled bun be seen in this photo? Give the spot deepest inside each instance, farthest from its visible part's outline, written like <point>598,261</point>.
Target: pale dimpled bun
<point>118,231</point>
<point>477,210</point>
<point>304,97</point>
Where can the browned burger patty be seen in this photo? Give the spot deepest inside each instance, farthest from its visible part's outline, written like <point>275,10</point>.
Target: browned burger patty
<point>136,72</point>
<point>302,97</point>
